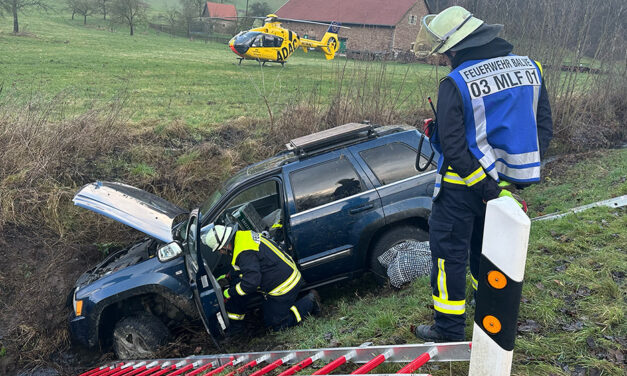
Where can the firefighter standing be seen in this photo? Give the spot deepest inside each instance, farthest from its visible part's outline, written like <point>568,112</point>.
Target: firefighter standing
<point>263,267</point>
<point>493,125</point>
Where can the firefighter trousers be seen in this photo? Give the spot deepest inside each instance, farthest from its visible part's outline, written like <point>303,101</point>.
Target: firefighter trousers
<point>455,236</point>
<point>278,311</point>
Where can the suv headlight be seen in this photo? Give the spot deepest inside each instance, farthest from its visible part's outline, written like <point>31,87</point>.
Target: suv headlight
<point>77,305</point>
<point>169,251</point>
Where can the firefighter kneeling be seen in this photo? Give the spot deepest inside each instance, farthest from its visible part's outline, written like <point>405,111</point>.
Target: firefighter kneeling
<point>262,267</point>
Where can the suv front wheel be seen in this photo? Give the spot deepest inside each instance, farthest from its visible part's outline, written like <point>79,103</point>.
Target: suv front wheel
<point>388,240</point>
<point>139,336</point>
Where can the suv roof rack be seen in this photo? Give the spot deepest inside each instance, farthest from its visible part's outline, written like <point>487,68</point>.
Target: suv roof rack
<point>347,133</point>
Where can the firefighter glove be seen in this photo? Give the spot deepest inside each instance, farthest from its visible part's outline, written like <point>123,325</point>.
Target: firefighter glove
<point>223,281</point>
<point>521,203</point>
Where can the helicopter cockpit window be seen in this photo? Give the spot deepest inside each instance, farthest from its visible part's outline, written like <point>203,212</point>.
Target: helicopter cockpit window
<point>247,38</point>
<point>272,41</point>
<point>258,41</point>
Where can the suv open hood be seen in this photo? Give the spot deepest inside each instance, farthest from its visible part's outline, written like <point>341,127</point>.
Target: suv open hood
<point>139,209</point>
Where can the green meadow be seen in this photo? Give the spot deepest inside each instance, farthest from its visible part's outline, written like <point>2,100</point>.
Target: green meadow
<point>165,78</point>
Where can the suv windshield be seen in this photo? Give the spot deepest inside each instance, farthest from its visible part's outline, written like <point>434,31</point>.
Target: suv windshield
<point>212,200</point>
<point>244,174</point>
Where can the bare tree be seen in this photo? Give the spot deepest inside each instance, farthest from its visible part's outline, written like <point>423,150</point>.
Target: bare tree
<point>200,6</point>
<point>103,5</point>
<point>259,9</point>
<point>71,5</point>
<point>189,12</point>
<point>129,12</point>
<point>83,7</point>
<point>172,17</point>
<point>15,6</point>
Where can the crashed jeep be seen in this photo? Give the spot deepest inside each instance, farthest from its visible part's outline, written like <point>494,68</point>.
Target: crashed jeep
<point>355,188</point>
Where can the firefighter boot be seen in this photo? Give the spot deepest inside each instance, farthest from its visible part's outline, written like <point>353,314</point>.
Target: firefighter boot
<point>431,334</point>
<point>315,299</point>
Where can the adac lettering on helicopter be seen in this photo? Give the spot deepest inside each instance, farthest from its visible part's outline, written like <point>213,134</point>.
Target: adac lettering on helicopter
<point>286,51</point>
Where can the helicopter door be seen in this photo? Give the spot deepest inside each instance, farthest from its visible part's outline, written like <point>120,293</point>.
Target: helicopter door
<point>255,48</point>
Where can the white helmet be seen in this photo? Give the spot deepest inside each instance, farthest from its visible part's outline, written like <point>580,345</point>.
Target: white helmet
<point>450,30</point>
<point>216,236</point>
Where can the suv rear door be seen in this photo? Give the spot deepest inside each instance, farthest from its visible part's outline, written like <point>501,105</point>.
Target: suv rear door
<point>330,202</point>
<point>389,162</point>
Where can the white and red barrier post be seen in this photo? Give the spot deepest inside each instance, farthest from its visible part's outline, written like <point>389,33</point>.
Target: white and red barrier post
<point>501,272</point>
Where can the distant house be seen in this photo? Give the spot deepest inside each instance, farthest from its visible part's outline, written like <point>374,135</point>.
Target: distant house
<point>223,16</point>
<point>375,25</point>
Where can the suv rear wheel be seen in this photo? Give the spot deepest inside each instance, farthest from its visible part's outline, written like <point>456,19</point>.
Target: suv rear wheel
<point>390,239</point>
<point>139,336</point>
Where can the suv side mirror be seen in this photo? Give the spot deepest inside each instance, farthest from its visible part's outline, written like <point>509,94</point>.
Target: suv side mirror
<point>169,252</point>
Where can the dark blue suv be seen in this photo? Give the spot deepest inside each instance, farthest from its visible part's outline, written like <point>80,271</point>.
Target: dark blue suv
<point>335,200</point>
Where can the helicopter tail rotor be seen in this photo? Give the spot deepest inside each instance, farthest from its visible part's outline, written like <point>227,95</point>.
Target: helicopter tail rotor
<point>330,41</point>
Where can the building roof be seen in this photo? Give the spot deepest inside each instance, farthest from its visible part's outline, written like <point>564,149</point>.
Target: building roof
<point>217,10</point>
<point>356,12</point>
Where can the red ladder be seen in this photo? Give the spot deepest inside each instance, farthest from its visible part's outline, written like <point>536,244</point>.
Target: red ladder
<point>368,357</point>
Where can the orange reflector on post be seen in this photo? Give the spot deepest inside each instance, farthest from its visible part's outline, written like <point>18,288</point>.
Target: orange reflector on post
<point>497,279</point>
<point>79,307</point>
<point>491,324</point>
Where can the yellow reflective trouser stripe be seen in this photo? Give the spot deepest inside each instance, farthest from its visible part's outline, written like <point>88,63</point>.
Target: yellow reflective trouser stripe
<point>235,316</point>
<point>475,283</point>
<point>452,307</point>
<point>296,313</point>
<point>292,280</point>
<point>442,280</point>
<point>239,290</point>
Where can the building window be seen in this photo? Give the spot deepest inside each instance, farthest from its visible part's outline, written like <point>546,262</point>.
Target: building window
<point>413,19</point>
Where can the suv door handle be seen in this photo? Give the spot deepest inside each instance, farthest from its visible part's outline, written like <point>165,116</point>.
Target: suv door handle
<point>362,208</point>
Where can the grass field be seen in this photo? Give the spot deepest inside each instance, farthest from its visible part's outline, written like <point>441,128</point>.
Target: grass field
<point>168,78</point>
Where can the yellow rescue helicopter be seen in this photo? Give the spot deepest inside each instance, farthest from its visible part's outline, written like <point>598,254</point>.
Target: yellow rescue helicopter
<point>274,43</point>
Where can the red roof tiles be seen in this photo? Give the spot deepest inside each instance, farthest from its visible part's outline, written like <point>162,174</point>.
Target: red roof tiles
<point>357,12</point>
<point>219,10</point>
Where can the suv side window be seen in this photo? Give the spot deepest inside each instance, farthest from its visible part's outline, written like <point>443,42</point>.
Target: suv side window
<point>323,183</point>
<point>393,162</point>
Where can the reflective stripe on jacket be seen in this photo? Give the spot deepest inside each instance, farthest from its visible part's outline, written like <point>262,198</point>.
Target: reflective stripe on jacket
<point>500,101</point>
<point>263,266</point>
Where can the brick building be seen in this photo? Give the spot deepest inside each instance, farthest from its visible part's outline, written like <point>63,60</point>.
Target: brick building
<point>223,16</point>
<point>375,25</point>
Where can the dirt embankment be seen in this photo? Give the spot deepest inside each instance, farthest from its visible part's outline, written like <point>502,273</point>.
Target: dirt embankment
<point>38,273</point>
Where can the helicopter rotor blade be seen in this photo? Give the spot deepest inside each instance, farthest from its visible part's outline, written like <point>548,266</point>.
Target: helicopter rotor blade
<point>233,17</point>
<point>312,22</point>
